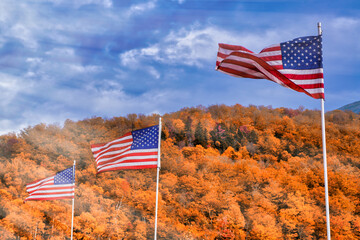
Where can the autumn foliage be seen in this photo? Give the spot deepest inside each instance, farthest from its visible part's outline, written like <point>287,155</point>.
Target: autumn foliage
<point>228,172</point>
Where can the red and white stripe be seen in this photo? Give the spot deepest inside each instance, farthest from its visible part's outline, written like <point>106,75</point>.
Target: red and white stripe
<point>45,189</point>
<point>117,155</point>
<point>241,62</point>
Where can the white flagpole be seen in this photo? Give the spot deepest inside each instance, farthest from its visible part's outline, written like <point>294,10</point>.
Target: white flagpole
<point>157,179</point>
<point>324,158</point>
<point>73,200</point>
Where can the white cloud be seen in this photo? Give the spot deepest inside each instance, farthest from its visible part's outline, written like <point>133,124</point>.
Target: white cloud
<point>80,3</point>
<point>61,52</point>
<point>11,87</point>
<point>85,69</point>
<point>194,46</point>
<point>346,23</point>
<point>154,72</point>
<point>138,9</point>
<point>60,63</point>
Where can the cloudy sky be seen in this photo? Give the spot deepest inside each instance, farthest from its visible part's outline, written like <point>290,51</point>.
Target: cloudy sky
<point>78,59</point>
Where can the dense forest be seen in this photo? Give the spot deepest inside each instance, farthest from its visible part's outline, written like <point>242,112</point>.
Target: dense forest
<point>228,172</point>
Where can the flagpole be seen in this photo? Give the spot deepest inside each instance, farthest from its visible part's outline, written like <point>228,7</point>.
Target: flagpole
<point>73,201</point>
<point>324,157</point>
<point>157,179</point>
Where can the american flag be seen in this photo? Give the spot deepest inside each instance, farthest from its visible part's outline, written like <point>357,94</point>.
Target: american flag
<point>59,186</point>
<point>134,150</point>
<point>296,64</point>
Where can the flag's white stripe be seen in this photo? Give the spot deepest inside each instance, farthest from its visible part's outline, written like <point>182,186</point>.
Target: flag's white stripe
<point>50,196</point>
<point>310,81</point>
<point>315,90</point>
<point>268,54</point>
<point>94,149</point>
<point>119,152</point>
<point>301,72</point>
<point>128,165</point>
<point>229,51</point>
<point>276,63</point>
<point>219,59</point>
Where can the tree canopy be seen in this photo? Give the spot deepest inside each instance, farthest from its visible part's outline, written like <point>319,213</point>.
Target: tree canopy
<point>228,172</point>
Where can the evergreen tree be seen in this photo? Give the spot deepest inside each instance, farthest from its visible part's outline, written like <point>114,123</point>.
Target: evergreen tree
<point>201,137</point>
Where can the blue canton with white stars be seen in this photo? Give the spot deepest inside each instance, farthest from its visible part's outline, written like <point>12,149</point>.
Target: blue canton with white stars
<point>64,177</point>
<point>145,138</point>
<point>302,53</point>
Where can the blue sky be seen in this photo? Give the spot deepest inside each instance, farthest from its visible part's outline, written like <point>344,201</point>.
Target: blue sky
<point>77,59</point>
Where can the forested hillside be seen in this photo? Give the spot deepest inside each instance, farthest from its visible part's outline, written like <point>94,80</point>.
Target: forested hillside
<point>228,172</point>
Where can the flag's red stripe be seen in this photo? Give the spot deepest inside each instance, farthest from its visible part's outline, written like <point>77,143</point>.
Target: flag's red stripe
<point>272,58</point>
<point>238,73</point>
<point>222,55</point>
<point>304,76</point>
<point>278,67</point>
<point>312,86</point>
<point>271,49</point>
<point>318,95</point>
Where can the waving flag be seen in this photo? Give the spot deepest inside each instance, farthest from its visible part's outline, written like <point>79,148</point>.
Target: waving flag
<point>296,64</point>
<point>134,150</point>
<point>59,186</point>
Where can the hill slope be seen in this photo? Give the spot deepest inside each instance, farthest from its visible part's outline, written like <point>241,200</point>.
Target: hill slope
<point>355,107</point>
<point>228,172</point>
